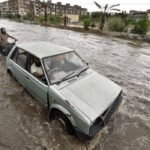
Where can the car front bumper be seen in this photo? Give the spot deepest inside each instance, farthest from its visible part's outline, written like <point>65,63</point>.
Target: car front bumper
<point>101,121</point>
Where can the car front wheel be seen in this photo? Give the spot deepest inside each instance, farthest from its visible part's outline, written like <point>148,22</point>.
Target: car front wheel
<point>62,120</point>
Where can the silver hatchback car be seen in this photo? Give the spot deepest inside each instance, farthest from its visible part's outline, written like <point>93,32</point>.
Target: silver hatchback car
<point>75,94</point>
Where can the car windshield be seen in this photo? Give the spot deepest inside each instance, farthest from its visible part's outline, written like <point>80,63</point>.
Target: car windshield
<point>63,66</point>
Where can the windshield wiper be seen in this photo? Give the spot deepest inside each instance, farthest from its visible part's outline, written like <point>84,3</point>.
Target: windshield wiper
<point>84,69</point>
<point>64,78</point>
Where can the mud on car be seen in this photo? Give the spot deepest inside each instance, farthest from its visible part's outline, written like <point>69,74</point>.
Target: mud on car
<point>82,98</point>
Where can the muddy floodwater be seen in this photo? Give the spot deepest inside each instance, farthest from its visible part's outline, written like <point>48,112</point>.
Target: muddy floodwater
<point>24,123</point>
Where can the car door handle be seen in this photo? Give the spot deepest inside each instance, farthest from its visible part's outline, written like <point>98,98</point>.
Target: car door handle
<point>27,78</point>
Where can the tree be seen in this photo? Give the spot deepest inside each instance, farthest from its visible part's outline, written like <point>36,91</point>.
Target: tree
<point>104,10</point>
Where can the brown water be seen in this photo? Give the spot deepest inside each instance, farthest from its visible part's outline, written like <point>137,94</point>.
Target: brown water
<point>24,123</point>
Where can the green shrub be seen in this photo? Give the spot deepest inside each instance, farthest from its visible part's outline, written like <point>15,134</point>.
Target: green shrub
<point>83,17</point>
<point>96,16</point>
<point>87,23</point>
<point>116,24</point>
<point>129,21</point>
<point>29,16</point>
<point>141,26</point>
<point>10,16</point>
<point>39,19</point>
<point>54,19</point>
<point>149,25</point>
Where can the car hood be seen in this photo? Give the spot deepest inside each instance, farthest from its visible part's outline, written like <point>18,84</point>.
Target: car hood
<point>92,95</point>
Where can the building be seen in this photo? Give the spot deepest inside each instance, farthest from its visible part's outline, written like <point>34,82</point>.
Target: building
<point>71,18</point>
<point>72,12</point>
<point>20,7</point>
<point>137,14</point>
<point>57,8</point>
<point>14,7</point>
<point>4,8</point>
<point>38,8</point>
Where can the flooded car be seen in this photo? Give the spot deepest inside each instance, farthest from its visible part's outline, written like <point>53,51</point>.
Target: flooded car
<point>77,96</point>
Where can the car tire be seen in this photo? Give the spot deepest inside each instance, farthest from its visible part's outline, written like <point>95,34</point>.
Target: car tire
<point>9,72</point>
<point>11,75</point>
<point>63,120</point>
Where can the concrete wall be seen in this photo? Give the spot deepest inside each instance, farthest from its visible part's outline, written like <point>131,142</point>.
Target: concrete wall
<point>73,18</point>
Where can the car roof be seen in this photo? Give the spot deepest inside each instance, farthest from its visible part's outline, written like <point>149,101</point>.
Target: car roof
<point>43,49</point>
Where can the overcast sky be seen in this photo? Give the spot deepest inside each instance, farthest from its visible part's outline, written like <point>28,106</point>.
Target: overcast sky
<point>124,4</point>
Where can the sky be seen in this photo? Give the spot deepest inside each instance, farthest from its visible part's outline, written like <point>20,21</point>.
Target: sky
<point>125,5</point>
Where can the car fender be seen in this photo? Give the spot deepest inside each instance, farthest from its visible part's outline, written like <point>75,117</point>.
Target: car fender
<point>64,111</point>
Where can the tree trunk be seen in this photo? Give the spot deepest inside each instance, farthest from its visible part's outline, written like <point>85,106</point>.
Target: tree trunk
<point>102,22</point>
<point>45,15</point>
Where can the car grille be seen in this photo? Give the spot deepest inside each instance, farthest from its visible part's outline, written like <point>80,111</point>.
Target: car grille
<point>72,80</point>
<point>101,121</point>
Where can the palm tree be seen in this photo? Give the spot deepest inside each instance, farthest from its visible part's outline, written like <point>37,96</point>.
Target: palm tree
<point>104,10</point>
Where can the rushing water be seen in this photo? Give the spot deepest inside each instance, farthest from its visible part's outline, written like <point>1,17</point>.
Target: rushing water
<point>24,123</point>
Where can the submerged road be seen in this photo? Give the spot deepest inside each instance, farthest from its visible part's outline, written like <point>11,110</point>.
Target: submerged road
<point>24,123</point>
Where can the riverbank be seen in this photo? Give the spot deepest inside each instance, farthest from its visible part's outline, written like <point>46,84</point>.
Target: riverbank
<point>122,35</point>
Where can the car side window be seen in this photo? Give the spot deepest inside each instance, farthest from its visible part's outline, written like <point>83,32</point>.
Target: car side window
<point>35,68</point>
<point>20,57</point>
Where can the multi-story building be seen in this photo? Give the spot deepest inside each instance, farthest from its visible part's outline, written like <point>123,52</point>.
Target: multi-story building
<point>20,7</point>
<point>38,7</point>
<point>57,9</point>
<point>4,8</point>
<point>13,6</point>
<point>72,12</point>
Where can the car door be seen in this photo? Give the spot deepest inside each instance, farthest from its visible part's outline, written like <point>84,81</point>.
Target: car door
<point>18,64</point>
<point>37,87</point>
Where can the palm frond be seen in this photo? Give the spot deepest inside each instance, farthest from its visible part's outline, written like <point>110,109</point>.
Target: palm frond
<point>105,7</point>
<point>98,5</point>
<point>116,9</point>
<point>114,5</point>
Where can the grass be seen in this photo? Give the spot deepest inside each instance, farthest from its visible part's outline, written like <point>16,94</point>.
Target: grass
<point>149,26</point>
